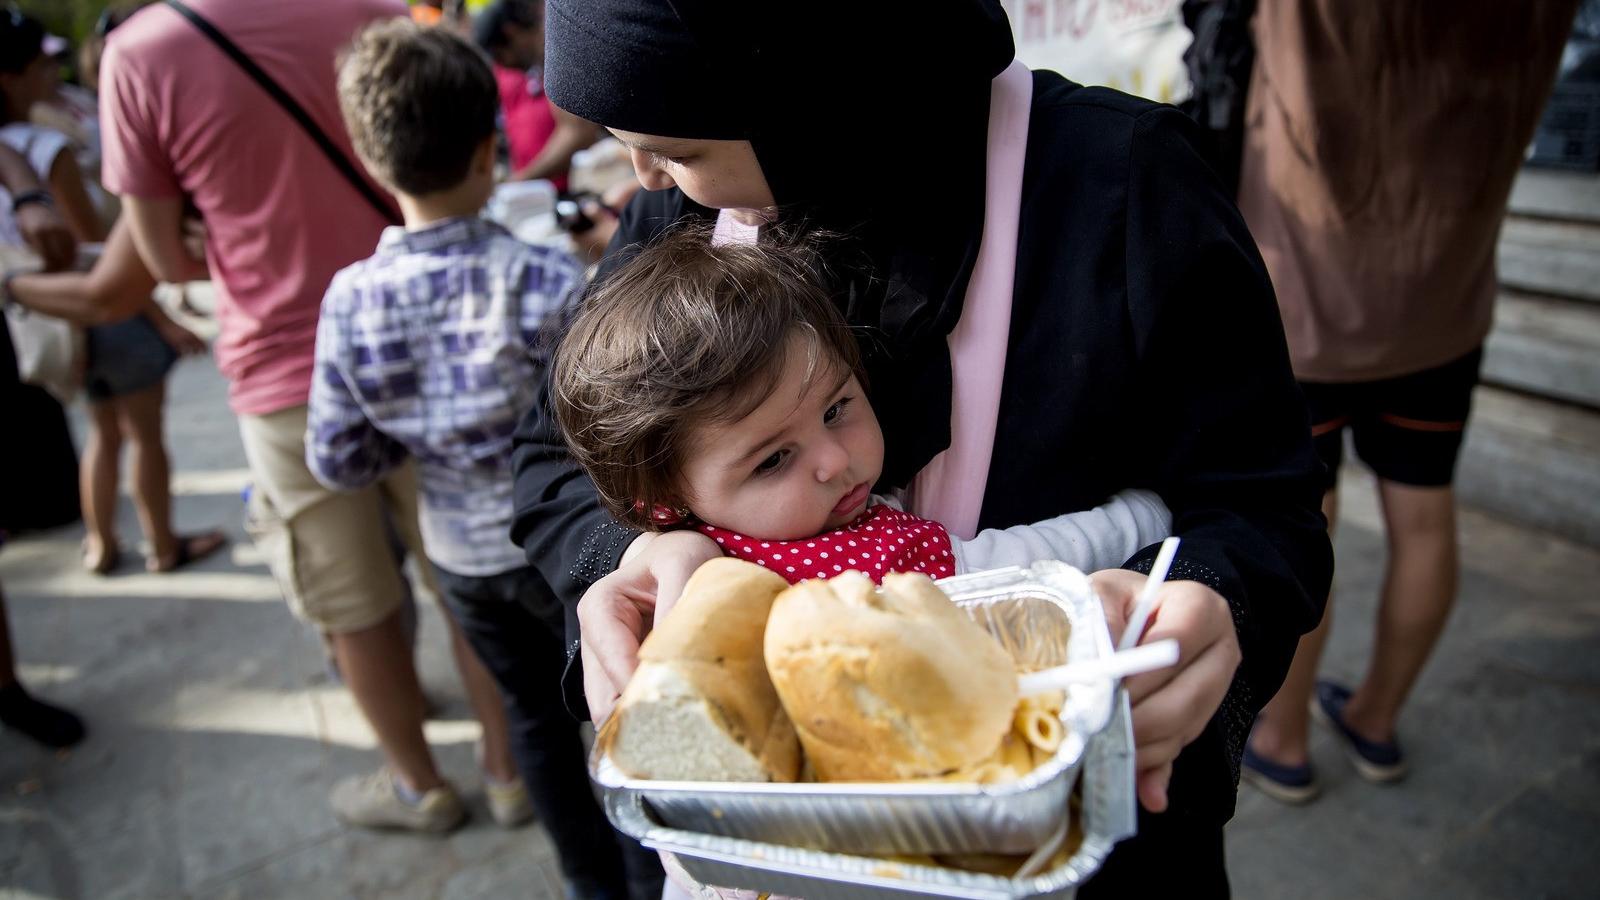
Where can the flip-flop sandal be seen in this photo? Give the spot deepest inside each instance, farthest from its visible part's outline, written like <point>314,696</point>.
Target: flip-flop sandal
<point>187,552</point>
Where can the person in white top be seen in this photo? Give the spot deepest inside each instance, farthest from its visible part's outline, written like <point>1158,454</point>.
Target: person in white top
<point>128,361</point>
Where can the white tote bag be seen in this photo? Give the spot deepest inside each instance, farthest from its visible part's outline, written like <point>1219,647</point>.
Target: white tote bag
<point>50,351</point>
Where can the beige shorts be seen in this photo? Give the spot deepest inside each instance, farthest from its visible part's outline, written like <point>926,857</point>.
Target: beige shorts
<point>334,553</point>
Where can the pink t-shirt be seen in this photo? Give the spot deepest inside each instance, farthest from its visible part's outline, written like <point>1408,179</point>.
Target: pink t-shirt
<point>181,118</point>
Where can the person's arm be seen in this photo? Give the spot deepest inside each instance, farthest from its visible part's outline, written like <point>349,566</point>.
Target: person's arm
<point>72,199</point>
<point>38,222</point>
<point>117,288</point>
<point>555,158</point>
<point>1218,425</point>
<point>344,450</point>
<point>157,226</point>
<point>1100,538</point>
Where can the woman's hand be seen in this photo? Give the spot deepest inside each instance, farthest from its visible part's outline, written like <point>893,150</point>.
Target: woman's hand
<point>617,611</point>
<point>1171,706</point>
<point>181,339</point>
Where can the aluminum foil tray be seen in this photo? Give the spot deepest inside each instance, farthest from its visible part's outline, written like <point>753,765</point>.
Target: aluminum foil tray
<point>1044,615</point>
<point>1109,815</point>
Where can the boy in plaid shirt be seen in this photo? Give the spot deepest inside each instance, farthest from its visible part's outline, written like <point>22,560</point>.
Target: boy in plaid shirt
<point>429,349</point>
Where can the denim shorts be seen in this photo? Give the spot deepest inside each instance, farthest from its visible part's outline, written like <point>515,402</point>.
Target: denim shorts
<point>125,358</point>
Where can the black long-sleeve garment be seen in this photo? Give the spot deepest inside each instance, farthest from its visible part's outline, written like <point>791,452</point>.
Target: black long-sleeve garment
<point>1145,351</point>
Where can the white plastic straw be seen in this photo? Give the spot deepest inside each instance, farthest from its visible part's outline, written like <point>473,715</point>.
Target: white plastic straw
<point>1118,665</point>
<point>1146,604</point>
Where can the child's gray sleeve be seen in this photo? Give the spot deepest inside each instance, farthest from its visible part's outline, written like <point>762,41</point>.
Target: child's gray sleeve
<point>1100,538</point>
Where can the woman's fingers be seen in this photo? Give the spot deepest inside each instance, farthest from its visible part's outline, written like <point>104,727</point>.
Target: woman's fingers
<point>611,626</point>
<point>598,689</point>
<point>1117,589</point>
<point>1152,788</point>
<point>1172,706</point>
<point>672,558</point>
<point>1198,619</point>
<point>616,612</point>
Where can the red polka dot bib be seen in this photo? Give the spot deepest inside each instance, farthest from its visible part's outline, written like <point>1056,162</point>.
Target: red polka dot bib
<point>883,539</point>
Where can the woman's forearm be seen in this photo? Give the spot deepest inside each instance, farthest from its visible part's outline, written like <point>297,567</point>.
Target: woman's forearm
<point>117,288</point>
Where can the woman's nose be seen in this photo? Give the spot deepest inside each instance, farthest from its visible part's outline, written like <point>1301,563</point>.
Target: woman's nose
<point>647,166</point>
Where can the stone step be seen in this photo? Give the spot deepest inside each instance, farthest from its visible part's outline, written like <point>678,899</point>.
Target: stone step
<point>1546,346</point>
<point>1535,461</point>
<point>1549,194</point>
<point>1551,257</point>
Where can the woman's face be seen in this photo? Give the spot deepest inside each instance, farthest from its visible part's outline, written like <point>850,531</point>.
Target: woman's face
<point>33,84</point>
<point>800,464</point>
<point>717,174</point>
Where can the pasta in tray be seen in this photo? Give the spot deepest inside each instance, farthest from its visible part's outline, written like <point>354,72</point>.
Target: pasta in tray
<point>1036,734</point>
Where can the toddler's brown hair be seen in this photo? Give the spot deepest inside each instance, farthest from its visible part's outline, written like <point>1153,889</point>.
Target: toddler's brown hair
<point>686,334</point>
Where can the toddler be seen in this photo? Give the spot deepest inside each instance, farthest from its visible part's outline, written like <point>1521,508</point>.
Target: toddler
<point>717,387</point>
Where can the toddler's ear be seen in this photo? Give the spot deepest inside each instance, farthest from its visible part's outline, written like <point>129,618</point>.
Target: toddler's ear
<point>483,160</point>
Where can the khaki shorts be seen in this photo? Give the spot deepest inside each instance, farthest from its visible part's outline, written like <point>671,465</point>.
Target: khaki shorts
<point>337,555</point>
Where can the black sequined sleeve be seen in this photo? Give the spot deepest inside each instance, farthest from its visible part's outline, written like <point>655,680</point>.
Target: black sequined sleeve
<point>1223,429</point>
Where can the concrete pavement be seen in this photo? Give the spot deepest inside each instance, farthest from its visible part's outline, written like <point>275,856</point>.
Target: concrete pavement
<point>215,735</point>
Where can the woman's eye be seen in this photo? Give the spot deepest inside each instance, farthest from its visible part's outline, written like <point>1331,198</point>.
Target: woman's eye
<point>835,411</point>
<point>772,463</point>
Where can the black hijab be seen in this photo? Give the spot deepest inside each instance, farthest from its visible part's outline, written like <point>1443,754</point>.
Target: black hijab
<point>869,119</point>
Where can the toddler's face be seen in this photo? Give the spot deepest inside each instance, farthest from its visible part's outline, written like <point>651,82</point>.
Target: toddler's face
<point>802,463</point>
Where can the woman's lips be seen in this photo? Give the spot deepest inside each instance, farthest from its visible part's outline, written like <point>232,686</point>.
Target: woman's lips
<point>856,497</point>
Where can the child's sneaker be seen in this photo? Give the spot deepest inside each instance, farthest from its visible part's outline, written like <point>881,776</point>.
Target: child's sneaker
<point>374,801</point>
<point>1378,763</point>
<point>1294,785</point>
<point>509,805</point>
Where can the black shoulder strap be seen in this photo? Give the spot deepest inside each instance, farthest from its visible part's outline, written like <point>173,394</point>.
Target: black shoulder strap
<point>295,110</point>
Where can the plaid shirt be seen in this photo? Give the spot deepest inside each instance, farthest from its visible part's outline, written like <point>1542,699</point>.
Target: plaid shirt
<point>431,348</point>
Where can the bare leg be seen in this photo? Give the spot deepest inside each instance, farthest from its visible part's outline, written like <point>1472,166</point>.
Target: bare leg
<point>487,705</point>
<point>1283,731</point>
<point>139,414</point>
<point>1419,589</point>
<point>97,478</point>
<point>378,669</point>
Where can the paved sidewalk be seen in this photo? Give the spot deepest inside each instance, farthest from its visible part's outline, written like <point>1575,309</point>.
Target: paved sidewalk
<point>215,735</point>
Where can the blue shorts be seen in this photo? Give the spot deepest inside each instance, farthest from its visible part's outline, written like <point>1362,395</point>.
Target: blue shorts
<point>126,358</point>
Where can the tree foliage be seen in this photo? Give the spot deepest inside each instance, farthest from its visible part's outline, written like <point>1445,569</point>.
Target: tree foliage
<point>72,19</point>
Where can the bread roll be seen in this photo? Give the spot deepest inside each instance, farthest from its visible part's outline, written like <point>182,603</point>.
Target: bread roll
<point>700,707</point>
<point>887,684</point>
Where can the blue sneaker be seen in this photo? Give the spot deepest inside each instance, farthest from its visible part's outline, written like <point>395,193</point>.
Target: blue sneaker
<point>1294,785</point>
<point>1378,763</point>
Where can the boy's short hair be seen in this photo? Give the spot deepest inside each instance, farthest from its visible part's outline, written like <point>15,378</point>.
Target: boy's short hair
<point>685,334</point>
<point>418,103</point>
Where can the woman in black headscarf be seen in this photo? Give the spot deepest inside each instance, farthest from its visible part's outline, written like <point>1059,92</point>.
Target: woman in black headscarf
<point>1145,348</point>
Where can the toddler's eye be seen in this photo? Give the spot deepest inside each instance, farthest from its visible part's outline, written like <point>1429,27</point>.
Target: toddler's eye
<point>835,411</point>
<point>772,463</point>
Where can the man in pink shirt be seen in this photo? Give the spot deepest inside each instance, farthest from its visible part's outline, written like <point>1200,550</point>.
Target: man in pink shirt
<point>182,120</point>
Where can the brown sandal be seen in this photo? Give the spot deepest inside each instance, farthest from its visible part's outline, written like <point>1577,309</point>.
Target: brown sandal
<point>191,548</point>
